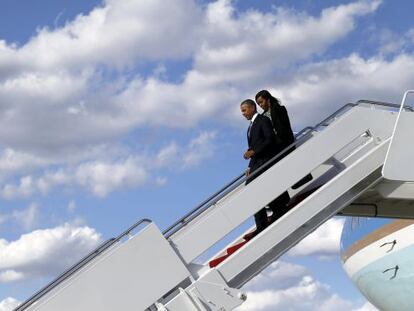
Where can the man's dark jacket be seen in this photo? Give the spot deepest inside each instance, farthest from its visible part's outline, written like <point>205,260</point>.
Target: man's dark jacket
<point>262,140</point>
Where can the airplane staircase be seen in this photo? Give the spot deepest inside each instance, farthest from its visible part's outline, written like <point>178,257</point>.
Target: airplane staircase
<point>154,270</point>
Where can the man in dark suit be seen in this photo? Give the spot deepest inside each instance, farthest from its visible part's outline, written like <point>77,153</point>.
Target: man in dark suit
<point>262,147</point>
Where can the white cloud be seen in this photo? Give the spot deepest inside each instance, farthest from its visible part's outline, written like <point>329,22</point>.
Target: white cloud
<point>199,149</point>
<point>105,174</point>
<point>75,113</point>
<point>23,189</point>
<point>8,304</point>
<point>75,109</point>
<point>102,178</point>
<point>161,181</point>
<point>366,307</point>
<point>134,27</point>
<point>59,108</point>
<point>72,206</point>
<point>286,286</point>
<point>10,276</point>
<point>240,52</point>
<point>58,71</point>
<point>45,252</point>
<point>12,161</point>
<point>307,295</point>
<point>389,42</point>
<point>27,218</point>
<point>167,156</point>
<point>61,72</point>
<point>328,85</point>
<point>279,275</point>
<point>323,242</point>
<point>258,42</point>
<point>53,179</point>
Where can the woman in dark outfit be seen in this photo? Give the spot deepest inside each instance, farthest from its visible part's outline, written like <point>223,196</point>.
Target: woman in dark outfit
<point>285,137</point>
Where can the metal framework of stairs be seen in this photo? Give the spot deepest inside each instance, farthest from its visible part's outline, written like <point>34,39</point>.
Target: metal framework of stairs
<point>154,270</point>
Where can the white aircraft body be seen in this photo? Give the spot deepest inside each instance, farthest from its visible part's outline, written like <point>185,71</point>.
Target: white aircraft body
<point>378,255</point>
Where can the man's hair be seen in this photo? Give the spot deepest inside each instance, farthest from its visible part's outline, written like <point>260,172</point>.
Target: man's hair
<point>249,102</point>
<point>265,94</point>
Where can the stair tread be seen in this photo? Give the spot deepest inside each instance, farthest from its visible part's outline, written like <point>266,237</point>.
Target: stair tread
<point>216,261</point>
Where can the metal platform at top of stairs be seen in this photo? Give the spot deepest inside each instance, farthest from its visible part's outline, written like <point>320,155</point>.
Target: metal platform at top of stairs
<point>359,158</point>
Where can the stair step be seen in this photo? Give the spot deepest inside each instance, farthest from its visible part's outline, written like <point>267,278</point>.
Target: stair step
<point>215,262</point>
<point>235,247</point>
<point>302,196</point>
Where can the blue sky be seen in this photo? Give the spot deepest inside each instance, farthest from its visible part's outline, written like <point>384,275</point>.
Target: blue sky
<point>118,110</point>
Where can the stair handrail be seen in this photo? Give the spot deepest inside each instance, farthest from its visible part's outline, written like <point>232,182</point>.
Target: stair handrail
<point>79,265</point>
<point>301,137</point>
<point>307,131</point>
<point>306,134</point>
<point>176,226</point>
<point>385,104</point>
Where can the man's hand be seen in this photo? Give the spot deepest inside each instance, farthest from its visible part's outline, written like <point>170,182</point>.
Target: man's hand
<point>248,154</point>
<point>247,172</point>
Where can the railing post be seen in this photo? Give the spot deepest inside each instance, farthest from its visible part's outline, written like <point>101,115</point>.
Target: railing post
<point>398,163</point>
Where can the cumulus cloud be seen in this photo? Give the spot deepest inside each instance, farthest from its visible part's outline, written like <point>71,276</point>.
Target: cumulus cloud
<point>102,176</point>
<point>26,218</point>
<point>198,149</point>
<point>323,242</point>
<point>279,275</point>
<point>58,71</point>
<point>68,95</point>
<point>10,276</point>
<point>23,189</point>
<point>72,206</point>
<point>366,307</point>
<point>330,84</point>
<point>45,252</point>
<point>286,286</point>
<point>257,42</point>
<point>12,161</point>
<point>308,294</point>
<point>9,304</point>
<point>240,52</point>
<point>72,91</point>
<point>134,27</point>
<point>61,72</point>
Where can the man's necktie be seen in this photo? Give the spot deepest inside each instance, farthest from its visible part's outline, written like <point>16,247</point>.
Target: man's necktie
<point>248,130</point>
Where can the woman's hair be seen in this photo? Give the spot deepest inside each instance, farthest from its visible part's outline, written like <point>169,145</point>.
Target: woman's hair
<point>266,95</point>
